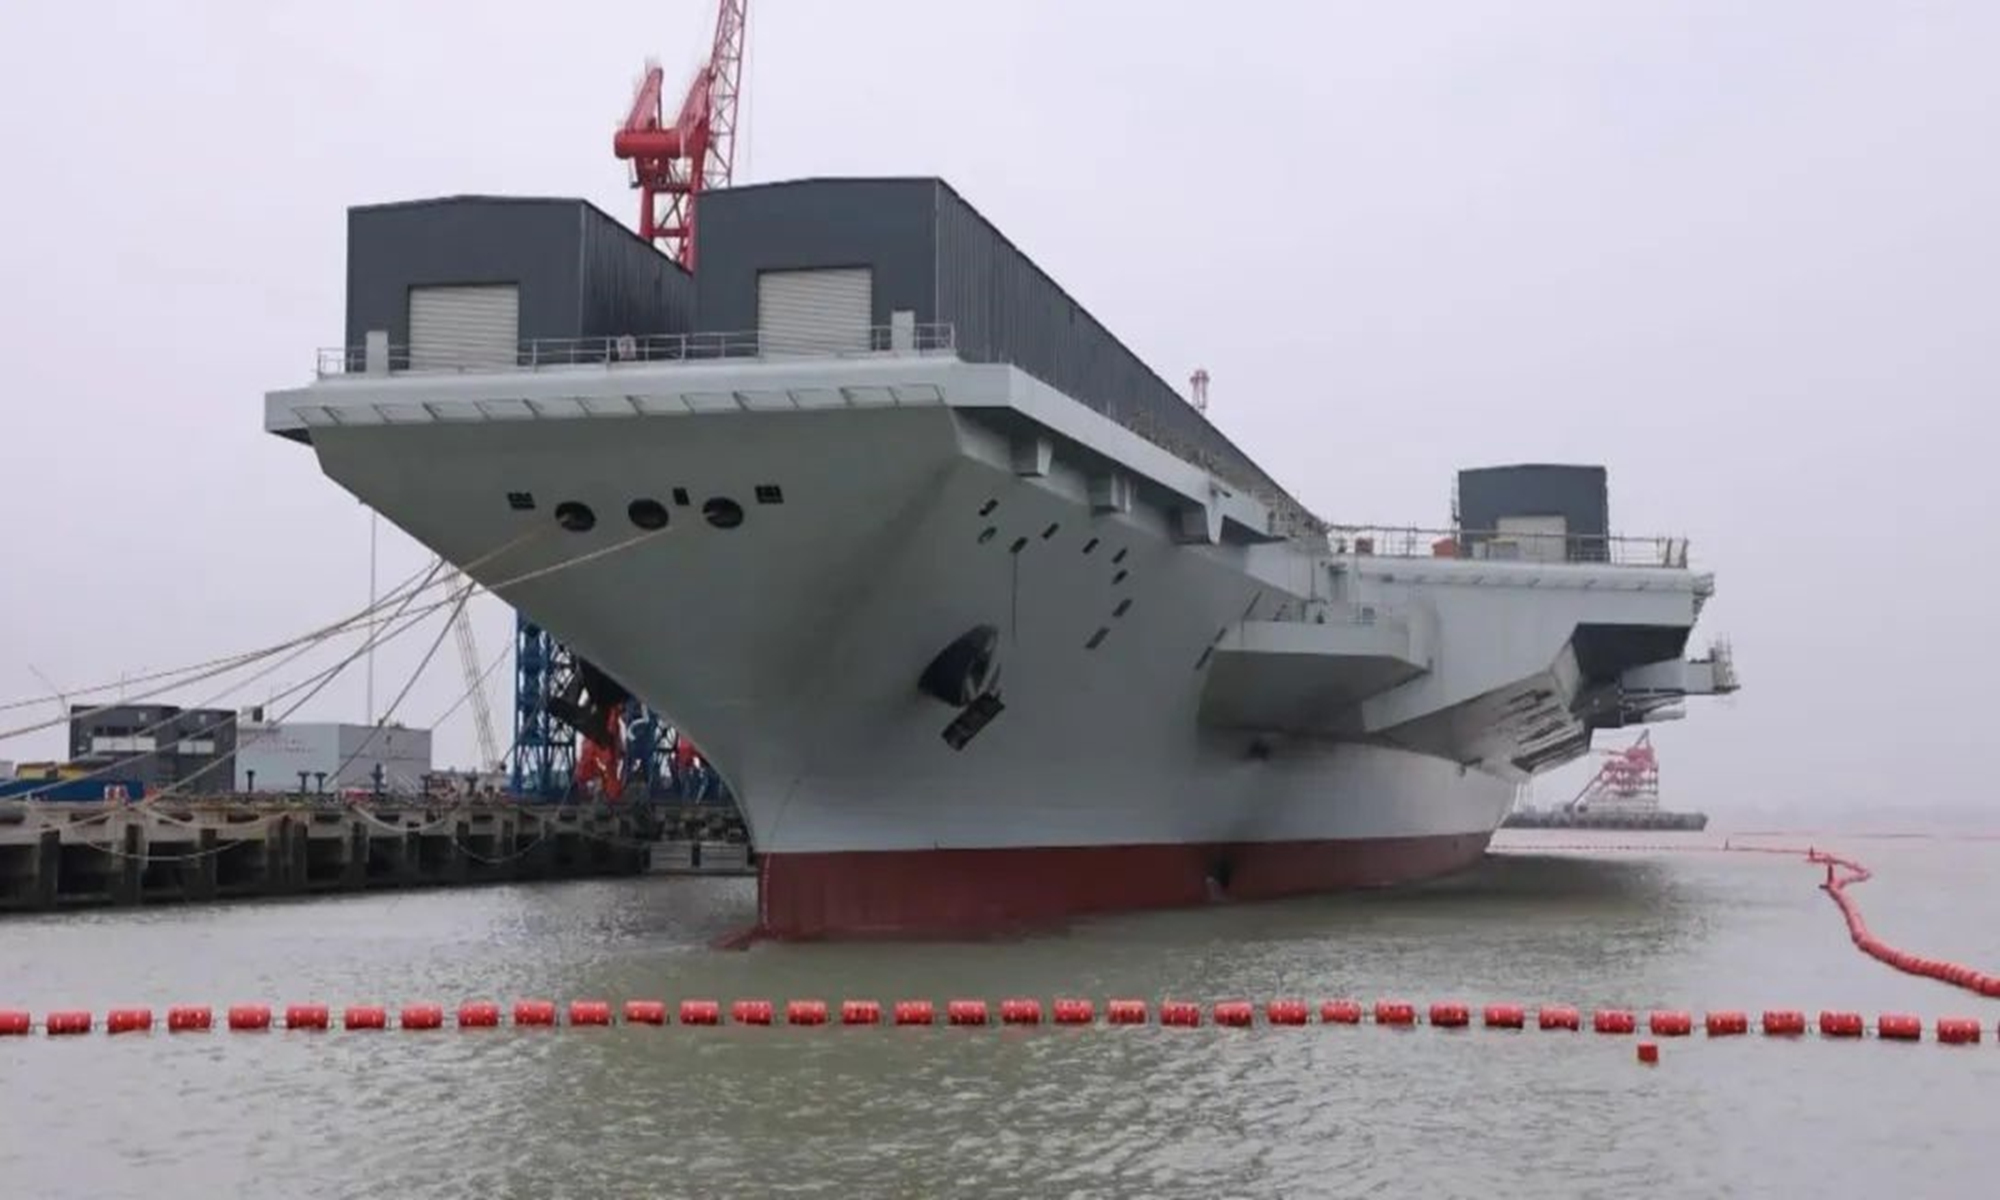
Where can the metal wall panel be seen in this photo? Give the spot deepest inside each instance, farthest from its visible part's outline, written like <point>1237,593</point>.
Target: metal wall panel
<point>628,286</point>
<point>882,224</point>
<point>1577,494</point>
<point>579,272</point>
<point>1004,308</point>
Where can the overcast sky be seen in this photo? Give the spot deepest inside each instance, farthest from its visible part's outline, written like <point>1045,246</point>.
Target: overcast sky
<point>1745,254</point>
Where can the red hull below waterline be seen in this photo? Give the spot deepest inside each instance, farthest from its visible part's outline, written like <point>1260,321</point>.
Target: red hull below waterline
<point>974,893</point>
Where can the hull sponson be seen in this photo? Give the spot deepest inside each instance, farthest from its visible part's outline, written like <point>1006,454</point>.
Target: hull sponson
<point>789,647</point>
<point>978,892</point>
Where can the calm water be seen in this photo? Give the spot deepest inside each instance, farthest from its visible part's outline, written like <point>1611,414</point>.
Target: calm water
<point>1048,1112</point>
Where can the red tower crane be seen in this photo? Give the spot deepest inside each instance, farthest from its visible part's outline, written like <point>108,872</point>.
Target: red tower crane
<point>672,164</point>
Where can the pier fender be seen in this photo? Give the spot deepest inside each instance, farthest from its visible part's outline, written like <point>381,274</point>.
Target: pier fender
<point>964,669</point>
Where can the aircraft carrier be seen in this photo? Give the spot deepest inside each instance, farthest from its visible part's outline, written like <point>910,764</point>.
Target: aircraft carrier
<point>985,624</point>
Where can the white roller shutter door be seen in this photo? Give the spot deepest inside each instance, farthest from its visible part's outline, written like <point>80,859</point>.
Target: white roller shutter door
<point>465,328</point>
<point>815,312</point>
<point>1540,538</point>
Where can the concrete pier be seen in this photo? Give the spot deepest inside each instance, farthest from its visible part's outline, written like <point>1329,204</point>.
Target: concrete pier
<point>61,855</point>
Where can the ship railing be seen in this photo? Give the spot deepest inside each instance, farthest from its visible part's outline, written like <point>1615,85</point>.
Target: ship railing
<point>1337,612</point>
<point>1409,541</point>
<point>531,354</point>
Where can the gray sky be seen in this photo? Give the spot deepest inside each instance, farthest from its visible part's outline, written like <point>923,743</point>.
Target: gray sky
<point>1744,254</point>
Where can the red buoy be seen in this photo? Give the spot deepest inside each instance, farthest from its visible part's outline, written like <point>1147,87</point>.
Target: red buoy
<point>965,1012</point>
<point>1395,1012</point>
<point>701,1012</point>
<point>483,1014</point>
<point>1237,1014</point>
<point>860,1012</point>
<point>749,1012</point>
<point>1021,1011</point>
<point>1784,1022</point>
<point>805,1012</point>
<point>1505,1016</point>
<point>1558,1016</point>
<point>1613,1020</point>
<point>1841,1024</point>
<point>1125,1012</point>
<point>645,1012</point>
<point>1957,1031</point>
<point>249,1016</point>
<point>1726,1023</point>
<point>1670,1023</point>
<point>1450,1014</point>
<point>534,1012</point>
<point>1649,1053</point>
<point>1287,1012</point>
<point>422,1016</point>
<point>66,1021</point>
<point>1899,1027</point>
<point>307,1016</point>
<point>128,1020</point>
<point>590,1012</point>
<point>1183,1013</point>
<point>365,1016</point>
<point>15,1023</point>
<point>915,1012</point>
<point>1069,1011</point>
<point>1340,1012</point>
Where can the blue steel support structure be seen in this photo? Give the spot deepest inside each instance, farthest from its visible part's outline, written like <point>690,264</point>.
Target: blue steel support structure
<point>544,766</point>
<point>544,746</point>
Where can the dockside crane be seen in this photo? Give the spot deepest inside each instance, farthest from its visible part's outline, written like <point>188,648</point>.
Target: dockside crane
<point>673,163</point>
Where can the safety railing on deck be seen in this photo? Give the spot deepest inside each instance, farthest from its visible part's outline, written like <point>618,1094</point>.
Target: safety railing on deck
<point>628,349</point>
<point>1391,541</point>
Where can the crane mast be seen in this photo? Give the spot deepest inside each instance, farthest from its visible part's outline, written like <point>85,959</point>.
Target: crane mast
<point>674,162</point>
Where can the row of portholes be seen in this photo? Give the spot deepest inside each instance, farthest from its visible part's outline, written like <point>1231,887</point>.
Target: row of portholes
<point>649,514</point>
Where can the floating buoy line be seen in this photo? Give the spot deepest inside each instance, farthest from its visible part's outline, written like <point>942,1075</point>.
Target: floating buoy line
<point>1840,873</point>
<point>1016,1011</point>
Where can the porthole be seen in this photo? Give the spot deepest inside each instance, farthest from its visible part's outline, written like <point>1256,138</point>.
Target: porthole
<point>986,534</point>
<point>575,517</point>
<point>722,512</point>
<point>647,513</point>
